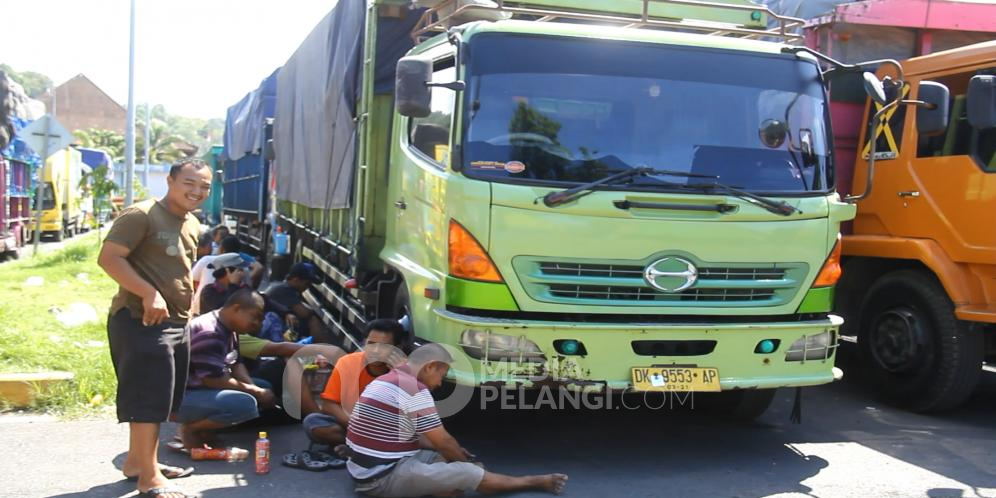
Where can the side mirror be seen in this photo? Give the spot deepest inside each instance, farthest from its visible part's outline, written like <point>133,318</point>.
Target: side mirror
<point>412,95</point>
<point>874,88</point>
<point>981,102</point>
<point>932,118</point>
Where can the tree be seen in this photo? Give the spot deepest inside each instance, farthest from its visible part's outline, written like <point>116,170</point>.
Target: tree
<point>102,187</point>
<point>162,143</point>
<point>105,140</point>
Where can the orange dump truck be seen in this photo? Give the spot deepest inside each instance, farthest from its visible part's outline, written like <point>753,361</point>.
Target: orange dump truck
<point>919,283</point>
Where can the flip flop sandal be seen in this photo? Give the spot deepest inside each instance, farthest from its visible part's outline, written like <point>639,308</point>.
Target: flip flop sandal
<point>169,472</point>
<point>178,447</point>
<point>165,490</point>
<point>304,461</point>
<point>332,461</point>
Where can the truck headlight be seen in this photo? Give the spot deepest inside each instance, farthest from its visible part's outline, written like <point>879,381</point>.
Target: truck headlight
<point>486,345</point>
<point>813,347</point>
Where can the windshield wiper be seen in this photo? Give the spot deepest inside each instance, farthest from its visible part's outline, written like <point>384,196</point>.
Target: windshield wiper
<point>556,198</point>
<point>778,207</point>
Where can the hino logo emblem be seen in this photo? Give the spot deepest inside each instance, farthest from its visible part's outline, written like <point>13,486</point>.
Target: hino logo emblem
<point>671,274</point>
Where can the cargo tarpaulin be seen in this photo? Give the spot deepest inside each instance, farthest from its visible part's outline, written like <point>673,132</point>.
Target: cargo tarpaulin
<point>314,131</point>
<point>246,119</point>
<point>318,89</point>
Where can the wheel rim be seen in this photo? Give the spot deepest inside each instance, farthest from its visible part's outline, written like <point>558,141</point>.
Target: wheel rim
<point>898,340</point>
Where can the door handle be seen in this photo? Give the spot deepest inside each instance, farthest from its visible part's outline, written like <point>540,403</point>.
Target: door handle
<point>911,193</point>
<point>400,204</point>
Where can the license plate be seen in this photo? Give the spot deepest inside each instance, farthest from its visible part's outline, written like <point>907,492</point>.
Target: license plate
<point>679,379</point>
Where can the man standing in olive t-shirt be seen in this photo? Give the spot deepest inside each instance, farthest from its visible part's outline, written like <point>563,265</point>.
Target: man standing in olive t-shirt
<point>149,252</point>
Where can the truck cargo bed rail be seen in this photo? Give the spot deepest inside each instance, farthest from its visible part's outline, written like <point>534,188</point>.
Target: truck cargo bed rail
<point>788,29</point>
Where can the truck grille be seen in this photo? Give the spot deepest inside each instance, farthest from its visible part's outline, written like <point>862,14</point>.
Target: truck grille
<point>622,283</point>
<point>631,271</point>
<point>650,294</point>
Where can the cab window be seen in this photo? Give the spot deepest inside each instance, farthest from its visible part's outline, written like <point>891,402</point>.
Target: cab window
<point>960,139</point>
<point>431,135</point>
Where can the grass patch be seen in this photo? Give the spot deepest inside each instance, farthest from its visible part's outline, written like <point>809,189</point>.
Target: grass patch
<point>32,340</point>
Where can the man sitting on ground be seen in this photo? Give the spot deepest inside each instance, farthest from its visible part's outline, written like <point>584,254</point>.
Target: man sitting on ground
<point>228,271</point>
<point>289,295</point>
<point>351,375</point>
<point>397,444</point>
<point>220,393</point>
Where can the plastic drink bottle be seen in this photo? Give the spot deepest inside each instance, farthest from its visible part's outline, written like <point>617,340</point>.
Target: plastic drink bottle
<point>230,454</point>
<point>280,242</point>
<point>262,454</point>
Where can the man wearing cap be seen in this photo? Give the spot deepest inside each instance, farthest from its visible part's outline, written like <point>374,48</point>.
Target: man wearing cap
<point>289,295</point>
<point>228,272</point>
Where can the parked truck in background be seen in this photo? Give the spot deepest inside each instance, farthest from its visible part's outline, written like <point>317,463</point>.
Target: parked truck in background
<point>17,164</point>
<point>245,164</point>
<point>613,208</point>
<point>61,198</point>
<point>919,261</point>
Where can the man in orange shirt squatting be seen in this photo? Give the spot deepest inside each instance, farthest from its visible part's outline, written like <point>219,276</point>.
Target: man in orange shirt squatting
<point>351,375</point>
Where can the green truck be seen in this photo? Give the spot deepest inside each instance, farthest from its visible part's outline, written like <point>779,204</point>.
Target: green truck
<point>619,196</point>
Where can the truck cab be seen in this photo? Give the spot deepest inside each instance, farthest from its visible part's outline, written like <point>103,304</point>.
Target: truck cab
<point>919,286</point>
<point>665,269</point>
<point>60,197</point>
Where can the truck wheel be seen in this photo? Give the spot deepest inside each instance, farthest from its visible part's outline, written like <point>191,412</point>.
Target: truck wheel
<point>914,351</point>
<point>59,235</point>
<point>15,253</point>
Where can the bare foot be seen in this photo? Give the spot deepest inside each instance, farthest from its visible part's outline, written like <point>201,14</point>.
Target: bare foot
<point>195,439</point>
<point>553,483</point>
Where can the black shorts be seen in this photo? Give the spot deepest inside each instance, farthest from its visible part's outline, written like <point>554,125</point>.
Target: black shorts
<point>151,366</point>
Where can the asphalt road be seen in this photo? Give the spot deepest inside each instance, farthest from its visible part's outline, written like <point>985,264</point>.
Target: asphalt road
<point>848,445</point>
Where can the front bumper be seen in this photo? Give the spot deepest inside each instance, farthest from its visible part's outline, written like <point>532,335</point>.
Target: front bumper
<point>611,355</point>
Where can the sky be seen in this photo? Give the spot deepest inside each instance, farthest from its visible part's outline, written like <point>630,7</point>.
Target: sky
<point>195,57</point>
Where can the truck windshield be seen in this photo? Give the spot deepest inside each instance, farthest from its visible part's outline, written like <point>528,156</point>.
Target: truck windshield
<point>48,197</point>
<point>562,111</point>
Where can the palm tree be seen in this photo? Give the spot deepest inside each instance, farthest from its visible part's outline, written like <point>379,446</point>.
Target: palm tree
<point>105,140</point>
<point>162,143</point>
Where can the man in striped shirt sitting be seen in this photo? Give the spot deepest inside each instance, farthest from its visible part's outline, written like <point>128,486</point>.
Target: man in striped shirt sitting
<point>399,447</point>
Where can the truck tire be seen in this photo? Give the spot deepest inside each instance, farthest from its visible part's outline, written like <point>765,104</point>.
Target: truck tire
<point>913,349</point>
<point>59,235</point>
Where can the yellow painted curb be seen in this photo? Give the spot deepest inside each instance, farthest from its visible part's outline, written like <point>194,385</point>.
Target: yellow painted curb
<point>20,389</point>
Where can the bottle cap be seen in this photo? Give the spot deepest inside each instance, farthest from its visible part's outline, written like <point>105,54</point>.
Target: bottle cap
<point>262,435</point>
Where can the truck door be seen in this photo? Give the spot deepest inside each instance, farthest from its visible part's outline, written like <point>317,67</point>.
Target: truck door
<point>954,176</point>
<point>421,223</point>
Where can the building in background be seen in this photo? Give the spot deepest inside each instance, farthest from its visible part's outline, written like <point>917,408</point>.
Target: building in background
<point>80,105</point>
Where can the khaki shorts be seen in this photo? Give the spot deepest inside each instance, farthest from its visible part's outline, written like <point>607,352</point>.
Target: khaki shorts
<point>424,473</point>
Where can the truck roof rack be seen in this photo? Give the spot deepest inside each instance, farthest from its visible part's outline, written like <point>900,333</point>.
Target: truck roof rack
<point>649,14</point>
